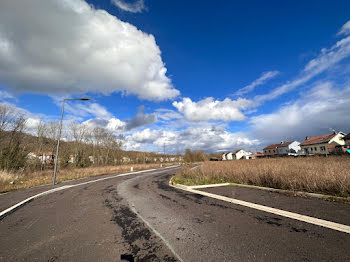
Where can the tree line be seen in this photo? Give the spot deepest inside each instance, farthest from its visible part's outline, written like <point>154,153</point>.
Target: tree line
<point>87,145</point>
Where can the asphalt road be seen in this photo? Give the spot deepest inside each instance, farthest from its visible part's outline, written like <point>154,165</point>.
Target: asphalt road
<point>97,222</point>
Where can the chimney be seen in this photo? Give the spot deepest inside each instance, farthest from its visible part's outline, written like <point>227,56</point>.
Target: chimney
<point>306,138</point>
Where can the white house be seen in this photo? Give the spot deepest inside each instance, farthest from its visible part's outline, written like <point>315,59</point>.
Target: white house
<point>228,156</point>
<point>242,154</point>
<point>322,144</point>
<point>289,148</point>
<point>45,158</point>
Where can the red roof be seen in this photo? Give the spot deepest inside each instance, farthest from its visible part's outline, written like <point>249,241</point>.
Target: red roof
<point>258,154</point>
<point>43,154</point>
<point>321,139</point>
<point>282,144</point>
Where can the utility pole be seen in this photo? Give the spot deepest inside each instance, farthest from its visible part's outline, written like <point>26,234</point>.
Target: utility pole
<point>59,136</point>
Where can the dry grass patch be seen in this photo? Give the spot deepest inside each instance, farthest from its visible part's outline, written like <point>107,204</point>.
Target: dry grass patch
<point>14,181</point>
<point>327,175</point>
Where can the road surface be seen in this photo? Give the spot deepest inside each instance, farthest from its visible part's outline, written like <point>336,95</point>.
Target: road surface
<point>97,222</point>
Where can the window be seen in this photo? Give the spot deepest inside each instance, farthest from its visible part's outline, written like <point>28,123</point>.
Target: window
<point>311,149</point>
<point>323,148</point>
<point>315,148</point>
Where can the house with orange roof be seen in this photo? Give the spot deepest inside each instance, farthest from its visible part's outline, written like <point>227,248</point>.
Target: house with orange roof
<point>283,148</point>
<point>322,144</point>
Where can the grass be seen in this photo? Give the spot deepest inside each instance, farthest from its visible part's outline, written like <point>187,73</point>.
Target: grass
<point>15,181</point>
<point>325,175</point>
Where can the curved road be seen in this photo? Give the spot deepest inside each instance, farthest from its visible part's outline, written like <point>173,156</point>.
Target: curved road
<point>97,222</point>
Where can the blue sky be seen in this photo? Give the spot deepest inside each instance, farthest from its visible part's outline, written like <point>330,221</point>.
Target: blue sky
<point>211,76</point>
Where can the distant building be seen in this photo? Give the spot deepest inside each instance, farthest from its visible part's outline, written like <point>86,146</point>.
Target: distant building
<point>289,148</point>
<point>228,156</point>
<point>241,154</point>
<point>283,149</point>
<point>126,159</point>
<point>71,159</point>
<point>271,150</point>
<point>322,144</point>
<point>256,155</point>
<point>92,159</point>
<point>44,158</point>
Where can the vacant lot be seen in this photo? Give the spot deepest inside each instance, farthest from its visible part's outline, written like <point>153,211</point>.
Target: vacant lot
<point>14,181</point>
<point>327,175</point>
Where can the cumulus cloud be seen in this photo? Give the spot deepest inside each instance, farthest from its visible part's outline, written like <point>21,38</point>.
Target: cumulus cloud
<point>141,119</point>
<point>68,46</point>
<point>210,109</point>
<point>260,81</point>
<point>209,139</point>
<point>327,59</point>
<point>118,126</point>
<point>321,110</point>
<point>87,109</point>
<point>167,114</point>
<point>136,7</point>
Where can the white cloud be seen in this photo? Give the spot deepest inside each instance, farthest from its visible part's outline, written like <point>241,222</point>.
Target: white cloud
<point>207,138</point>
<point>260,81</point>
<point>106,120</point>
<point>324,108</point>
<point>327,59</point>
<point>136,7</point>
<point>167,114</point>
<point>210,109</point>
<point>345,30</point>
<point>5,95</point>
<point>87,109</point>
<point>67,46</point>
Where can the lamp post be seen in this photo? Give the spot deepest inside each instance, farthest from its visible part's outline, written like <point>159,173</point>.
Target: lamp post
<point>59,136</point>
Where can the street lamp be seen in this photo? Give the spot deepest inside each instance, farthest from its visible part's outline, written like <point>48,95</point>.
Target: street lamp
<point>59,135</point>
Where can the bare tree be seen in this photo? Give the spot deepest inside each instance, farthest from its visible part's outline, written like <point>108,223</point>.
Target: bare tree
<point>7,116</point>
<point>12,126</point>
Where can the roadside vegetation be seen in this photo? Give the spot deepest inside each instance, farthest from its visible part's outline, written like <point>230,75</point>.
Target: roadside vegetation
<point>326,175</point>
<point>85,151</point>
<point>14,181</point>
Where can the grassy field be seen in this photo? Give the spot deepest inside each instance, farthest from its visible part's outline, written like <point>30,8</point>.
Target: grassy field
<point>14,181</point>
<point>327,175</point>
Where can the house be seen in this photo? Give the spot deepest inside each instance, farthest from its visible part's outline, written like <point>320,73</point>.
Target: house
<point>322,144</point>
<point>271,150</point>
<point>71,159</point>
<point>126,159</point>
<point>228,156</point>
<point>241,154</point>
<point>45,158</point>
<point>283,149</point>
<point>92,159</point>
<point>289,148</point>
<point>256,155</point>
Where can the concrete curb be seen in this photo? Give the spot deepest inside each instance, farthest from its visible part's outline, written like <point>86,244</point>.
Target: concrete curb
<point>15,207</point>
<point>275,211</point>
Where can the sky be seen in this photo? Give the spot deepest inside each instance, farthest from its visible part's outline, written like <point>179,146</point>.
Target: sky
<point>180,74</point>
